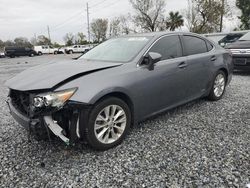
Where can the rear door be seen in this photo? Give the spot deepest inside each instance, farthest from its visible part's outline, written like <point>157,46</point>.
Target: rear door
<point>19,51</point>
<point>27,51</point>
<point>199,60</point>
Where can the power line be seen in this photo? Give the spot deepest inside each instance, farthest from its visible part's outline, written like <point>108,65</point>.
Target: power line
<point>109,5</point>
<point>97,4</point>
<point>67,20</point>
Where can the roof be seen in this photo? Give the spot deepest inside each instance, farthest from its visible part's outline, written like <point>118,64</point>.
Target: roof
<point>158,34</point>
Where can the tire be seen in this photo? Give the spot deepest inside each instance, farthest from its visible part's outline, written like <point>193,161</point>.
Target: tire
<point>71,52</point>
<point>32,55</point>
<point>220,82</point>
<point>40,53</point>
<point>55,53</point>
<point>115,133</point>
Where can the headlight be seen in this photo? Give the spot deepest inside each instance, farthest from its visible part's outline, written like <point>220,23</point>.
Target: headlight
<point>55,99</point>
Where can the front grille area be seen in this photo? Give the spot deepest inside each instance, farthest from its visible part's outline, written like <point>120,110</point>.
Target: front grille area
<point>21,101</point>
<point>241,61</point>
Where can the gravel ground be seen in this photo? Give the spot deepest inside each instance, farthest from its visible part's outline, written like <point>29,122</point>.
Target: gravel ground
<point>200,144</point>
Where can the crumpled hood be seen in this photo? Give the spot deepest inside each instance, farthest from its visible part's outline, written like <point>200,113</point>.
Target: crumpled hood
<point>50,75</point>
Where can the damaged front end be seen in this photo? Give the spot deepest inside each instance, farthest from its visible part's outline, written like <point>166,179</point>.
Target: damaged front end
<point>47,113</point>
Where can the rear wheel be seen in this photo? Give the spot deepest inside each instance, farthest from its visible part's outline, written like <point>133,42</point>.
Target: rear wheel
<point>40,53</point>
<point>108,123</point>
<point>219,86</point>
<point>55,53</point>
<point>32,55</point>
<point>71,52</point>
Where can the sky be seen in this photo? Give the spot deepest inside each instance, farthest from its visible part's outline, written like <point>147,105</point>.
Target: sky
<point>31,17</point>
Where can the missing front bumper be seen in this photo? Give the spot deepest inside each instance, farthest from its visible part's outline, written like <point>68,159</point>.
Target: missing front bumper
<point>56,129</point>
<point>64,123</point>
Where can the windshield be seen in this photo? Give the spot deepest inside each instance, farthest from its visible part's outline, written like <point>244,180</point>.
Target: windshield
<point>122,49</point>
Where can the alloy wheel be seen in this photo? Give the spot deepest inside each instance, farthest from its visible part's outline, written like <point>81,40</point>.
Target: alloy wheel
<point>219,85</point>
<point>110,124</point>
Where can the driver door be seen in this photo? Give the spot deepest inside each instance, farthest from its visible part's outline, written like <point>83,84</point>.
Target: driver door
<point>166,85</point>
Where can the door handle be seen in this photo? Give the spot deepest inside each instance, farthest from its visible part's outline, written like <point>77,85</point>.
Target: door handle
<point>182,65</point>
<point>213,58</point>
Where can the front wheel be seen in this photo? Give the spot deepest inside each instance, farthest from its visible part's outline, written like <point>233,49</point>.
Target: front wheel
<point>219,86</point>
<point>108,123</point>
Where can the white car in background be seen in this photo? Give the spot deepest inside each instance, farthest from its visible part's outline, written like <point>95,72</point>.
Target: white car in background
<point>2,54</point>
<point>77,49</point>
<point>45,49</point>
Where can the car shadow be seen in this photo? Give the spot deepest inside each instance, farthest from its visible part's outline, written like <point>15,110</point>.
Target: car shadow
<point>174,111</point>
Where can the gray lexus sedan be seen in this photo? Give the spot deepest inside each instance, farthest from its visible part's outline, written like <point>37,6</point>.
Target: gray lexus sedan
<point>119,83</point>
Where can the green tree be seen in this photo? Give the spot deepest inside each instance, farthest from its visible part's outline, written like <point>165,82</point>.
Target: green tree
<point>149,14</point>
<point>175,20</point>
<point>69,39</point>
<point>244,6</point>
<point>22,42</point>
<point>56,45</point>
<point>99,29</point>
<point>43,40</point>
<point>204,16</point>
<point>114,27</point>
<point>9,43</point>
<point>80,38</point>
<point>1,44</point>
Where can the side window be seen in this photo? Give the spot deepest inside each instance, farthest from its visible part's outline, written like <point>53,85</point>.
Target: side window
<point>75,47</point>
<point>209,46</point>
<point>169,47</point>
<point>194,45</point>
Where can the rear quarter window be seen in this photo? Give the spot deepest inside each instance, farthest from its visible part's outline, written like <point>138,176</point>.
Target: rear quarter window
<point>209,46</point>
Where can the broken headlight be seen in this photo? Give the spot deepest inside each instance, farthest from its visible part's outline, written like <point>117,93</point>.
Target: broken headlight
<point>54,99</point>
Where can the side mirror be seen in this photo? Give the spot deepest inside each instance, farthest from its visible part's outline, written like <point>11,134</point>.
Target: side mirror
<point>151,59</point>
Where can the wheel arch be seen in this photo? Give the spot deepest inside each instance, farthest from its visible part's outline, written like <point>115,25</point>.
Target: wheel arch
<point>226,72</point>
<point>120,95</point>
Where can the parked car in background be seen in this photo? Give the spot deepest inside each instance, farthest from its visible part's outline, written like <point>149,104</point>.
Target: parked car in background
<point>2,54</point>
<point>118,84</point>
<point>77,49</point>
<point>241,54</point>
<point>19,51</point>
<point>228,37</point>
<point>61,50</point>
<point>45,49</point>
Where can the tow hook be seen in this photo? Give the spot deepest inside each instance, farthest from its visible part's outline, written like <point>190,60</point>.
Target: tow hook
<point>56,129</point>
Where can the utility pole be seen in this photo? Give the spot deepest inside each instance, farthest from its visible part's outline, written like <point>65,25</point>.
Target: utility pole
<point>88,22</point>
<point>49,33</point>
<point>35,38</point>
<point>222,14</point>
